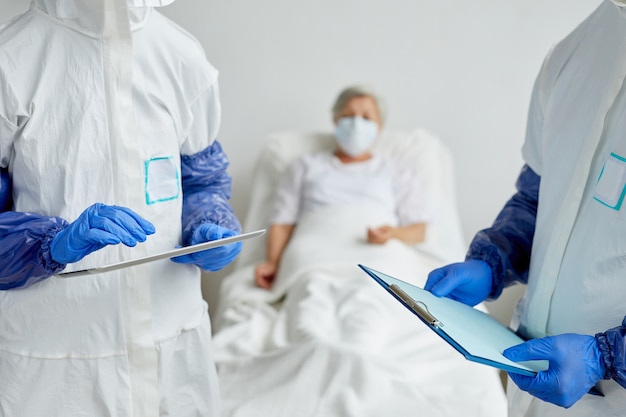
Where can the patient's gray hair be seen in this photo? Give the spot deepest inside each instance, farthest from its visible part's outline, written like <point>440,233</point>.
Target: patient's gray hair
<point>358,91</point>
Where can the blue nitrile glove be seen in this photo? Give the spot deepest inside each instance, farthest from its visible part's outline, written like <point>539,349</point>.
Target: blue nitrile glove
<point>468,282</point>
<point>98,226</point>
<point>211,259</point>
<point>576,365</point>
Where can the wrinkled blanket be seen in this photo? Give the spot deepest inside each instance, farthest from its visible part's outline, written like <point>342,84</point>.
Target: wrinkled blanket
<point>328,341</point>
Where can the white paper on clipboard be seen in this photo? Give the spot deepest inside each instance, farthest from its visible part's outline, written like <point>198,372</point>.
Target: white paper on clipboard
<point>164,255</point>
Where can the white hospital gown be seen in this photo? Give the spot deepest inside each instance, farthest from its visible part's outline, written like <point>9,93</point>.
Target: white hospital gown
<point>320,179</point>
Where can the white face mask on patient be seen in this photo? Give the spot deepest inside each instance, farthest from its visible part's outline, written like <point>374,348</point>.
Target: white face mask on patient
<point>355,135</point>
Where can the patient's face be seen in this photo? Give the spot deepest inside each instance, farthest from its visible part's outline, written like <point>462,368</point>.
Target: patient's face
<point>364,107</point>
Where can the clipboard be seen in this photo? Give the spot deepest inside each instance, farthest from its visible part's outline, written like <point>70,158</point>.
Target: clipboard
<point>473,333</point>
<point>163,255</point>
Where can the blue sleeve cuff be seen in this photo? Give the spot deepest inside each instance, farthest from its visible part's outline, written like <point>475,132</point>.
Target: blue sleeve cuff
<point>206,190</point>
<point>506,245</point>
<point>25,251</point>
<point>612,344</point>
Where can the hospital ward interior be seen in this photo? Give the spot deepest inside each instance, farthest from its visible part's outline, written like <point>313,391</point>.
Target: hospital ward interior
<point>297,329</point>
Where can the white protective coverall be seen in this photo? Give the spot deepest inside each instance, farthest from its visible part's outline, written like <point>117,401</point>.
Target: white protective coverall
<point>577,126</point>
<point>92,92</point>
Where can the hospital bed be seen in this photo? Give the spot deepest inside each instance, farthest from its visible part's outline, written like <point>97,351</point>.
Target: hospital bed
<point>326,340</point>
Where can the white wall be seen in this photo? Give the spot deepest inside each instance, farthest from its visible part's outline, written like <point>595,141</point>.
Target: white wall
<point>462,69</point>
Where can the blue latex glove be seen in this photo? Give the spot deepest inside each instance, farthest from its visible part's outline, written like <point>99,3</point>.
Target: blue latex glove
<point>98,226</point>
<point>468,282</point>
<point>211,259</point>
<point>575,367</point>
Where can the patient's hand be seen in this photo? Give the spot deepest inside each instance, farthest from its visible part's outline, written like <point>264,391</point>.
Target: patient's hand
<point>410,234</point>
<point>264,275</point>
<point>379,235</point>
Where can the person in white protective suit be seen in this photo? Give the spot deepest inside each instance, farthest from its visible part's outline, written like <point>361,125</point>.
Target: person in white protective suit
<point>564,232</point>
<point>108,119</point>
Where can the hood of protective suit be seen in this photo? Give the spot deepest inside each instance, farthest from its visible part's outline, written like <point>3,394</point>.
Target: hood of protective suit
<point>98,17</point>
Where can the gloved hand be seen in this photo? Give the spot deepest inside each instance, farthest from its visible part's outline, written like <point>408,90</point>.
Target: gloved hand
<point>98,226</point>
<point>575,366</point>
<point>468,282</point>
<point>211,259</point>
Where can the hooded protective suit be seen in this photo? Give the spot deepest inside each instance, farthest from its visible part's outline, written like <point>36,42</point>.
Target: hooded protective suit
<point>106,101</point>
<point>564,232</point>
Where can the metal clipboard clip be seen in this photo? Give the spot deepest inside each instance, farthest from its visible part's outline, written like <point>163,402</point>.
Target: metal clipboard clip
<point>416,306</point>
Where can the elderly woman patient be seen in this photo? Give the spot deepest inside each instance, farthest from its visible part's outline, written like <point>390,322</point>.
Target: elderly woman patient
<point>304,332</point>
<point>351,174</point>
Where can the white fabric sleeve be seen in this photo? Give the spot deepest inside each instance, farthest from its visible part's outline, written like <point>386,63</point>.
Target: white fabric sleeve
<point>532,150</point>
<point>8,121</point>
<point>288,203</point>
<point>204,123</point>
<point>8,131</point>
<point>413,206</point>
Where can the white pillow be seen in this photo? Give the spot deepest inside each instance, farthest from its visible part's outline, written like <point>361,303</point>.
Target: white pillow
<point>420,150</point>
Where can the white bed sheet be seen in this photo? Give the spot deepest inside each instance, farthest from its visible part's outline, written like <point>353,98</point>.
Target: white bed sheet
<point>326,340</point>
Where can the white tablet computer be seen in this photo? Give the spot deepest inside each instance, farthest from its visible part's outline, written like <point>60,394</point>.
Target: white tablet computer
<point>164,255</point>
